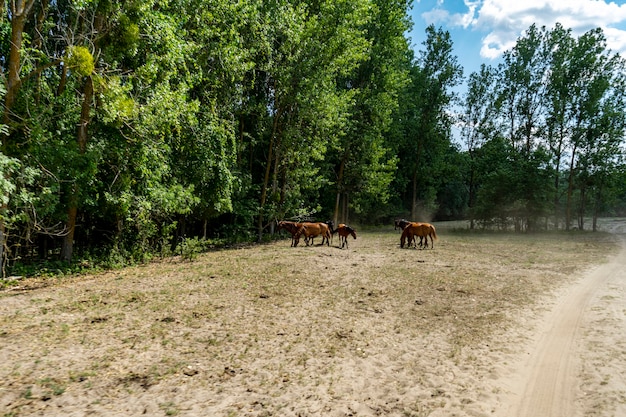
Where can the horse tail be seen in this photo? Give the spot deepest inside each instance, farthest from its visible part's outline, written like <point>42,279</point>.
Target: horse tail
<point>434,232</point>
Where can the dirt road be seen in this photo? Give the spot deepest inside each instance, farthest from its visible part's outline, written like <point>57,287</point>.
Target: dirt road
<point>575,367</point>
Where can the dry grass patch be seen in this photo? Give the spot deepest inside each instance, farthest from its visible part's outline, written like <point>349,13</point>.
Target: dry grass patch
<point>275,330</point>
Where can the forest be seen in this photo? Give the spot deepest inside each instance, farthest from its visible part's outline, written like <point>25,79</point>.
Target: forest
<point>134,129</point>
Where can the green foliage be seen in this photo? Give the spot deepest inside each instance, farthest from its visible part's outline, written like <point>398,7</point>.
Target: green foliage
<point>117,106</point>
<point>215,119</point>
<point>190,248</point>
<point>80,60</point>
<point>8,166</point>
<point>425,135</point>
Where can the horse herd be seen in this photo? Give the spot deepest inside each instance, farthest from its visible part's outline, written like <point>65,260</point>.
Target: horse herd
<point>310,230</point>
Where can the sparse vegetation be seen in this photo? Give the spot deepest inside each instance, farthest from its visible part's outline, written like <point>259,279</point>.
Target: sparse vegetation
<point>258,329</point>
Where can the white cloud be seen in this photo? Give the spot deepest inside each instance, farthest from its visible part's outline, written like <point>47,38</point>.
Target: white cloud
<point>616,40</point>
<point>437,15</point>
<point>504,21</point>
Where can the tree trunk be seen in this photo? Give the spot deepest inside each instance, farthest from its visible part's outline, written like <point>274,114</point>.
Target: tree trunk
<point>558,153</point>
<point>268,170</point>
<point>581,209</point>
<point>570,191</point>
<point>81,138</point>
<point>414,197</point>
<point>2,243</point>
<point>38,40</point>
<point>472,192</point>
<point>19,11</point>
<point>275,174</point>
<point>418,158</point>
<point>597,200</point>
<point>336,216</point>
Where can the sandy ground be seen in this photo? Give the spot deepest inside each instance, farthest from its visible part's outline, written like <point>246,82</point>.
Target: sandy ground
<point>576,355</point>
<point>282,331</point>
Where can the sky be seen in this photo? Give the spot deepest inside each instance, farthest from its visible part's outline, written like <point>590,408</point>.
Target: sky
<point>481,30</point>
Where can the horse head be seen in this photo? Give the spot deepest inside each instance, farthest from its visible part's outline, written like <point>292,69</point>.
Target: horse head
<point>400,224</point>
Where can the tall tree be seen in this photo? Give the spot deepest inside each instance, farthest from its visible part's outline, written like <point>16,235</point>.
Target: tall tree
<point>560,104</point>
<point>19,12</point>
<point>597,75</point>
<point>433,76</point>
<point>363,158</point>
<point>478,122</point>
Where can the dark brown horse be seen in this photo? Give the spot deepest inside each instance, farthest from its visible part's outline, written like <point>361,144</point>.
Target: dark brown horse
<point>400,224</point>
<point>344,231</point>
<point>423,230</point>
<point>291,227</point>
<point>310,231</point>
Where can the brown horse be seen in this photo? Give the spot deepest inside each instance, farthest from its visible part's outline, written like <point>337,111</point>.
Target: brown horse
<point>432,233</point>
<point>423,230</point>
<point>344,231</point>
<point>401,224</point>
<point>291,227</point>
<point>311,230</point>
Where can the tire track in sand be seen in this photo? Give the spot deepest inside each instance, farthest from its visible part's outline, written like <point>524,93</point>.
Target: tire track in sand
<point>549,383</point>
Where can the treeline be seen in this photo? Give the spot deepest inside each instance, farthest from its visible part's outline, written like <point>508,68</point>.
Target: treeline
<point>544,132</point>
<point>130,127</point>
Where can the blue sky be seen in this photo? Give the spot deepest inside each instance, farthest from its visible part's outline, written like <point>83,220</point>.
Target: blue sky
<point>482,30</point>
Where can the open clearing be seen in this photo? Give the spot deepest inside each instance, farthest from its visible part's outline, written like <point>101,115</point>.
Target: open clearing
<point>465,329</point>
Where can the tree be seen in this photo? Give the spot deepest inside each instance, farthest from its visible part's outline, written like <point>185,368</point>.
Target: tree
<point>478,124</point>
<point>597,127</point>
<point>560,105</point>
<point>363,159</point>
<point>428,120</point>
<point>19,11</point>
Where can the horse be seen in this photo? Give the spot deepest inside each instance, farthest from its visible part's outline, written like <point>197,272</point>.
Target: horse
<point>400,224</point>
<point>311,231</point>
<point>344,231</point>
<point>432,233</point>
<point>291,227</point>
<point>331,227</point>
<point>423,230</point>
